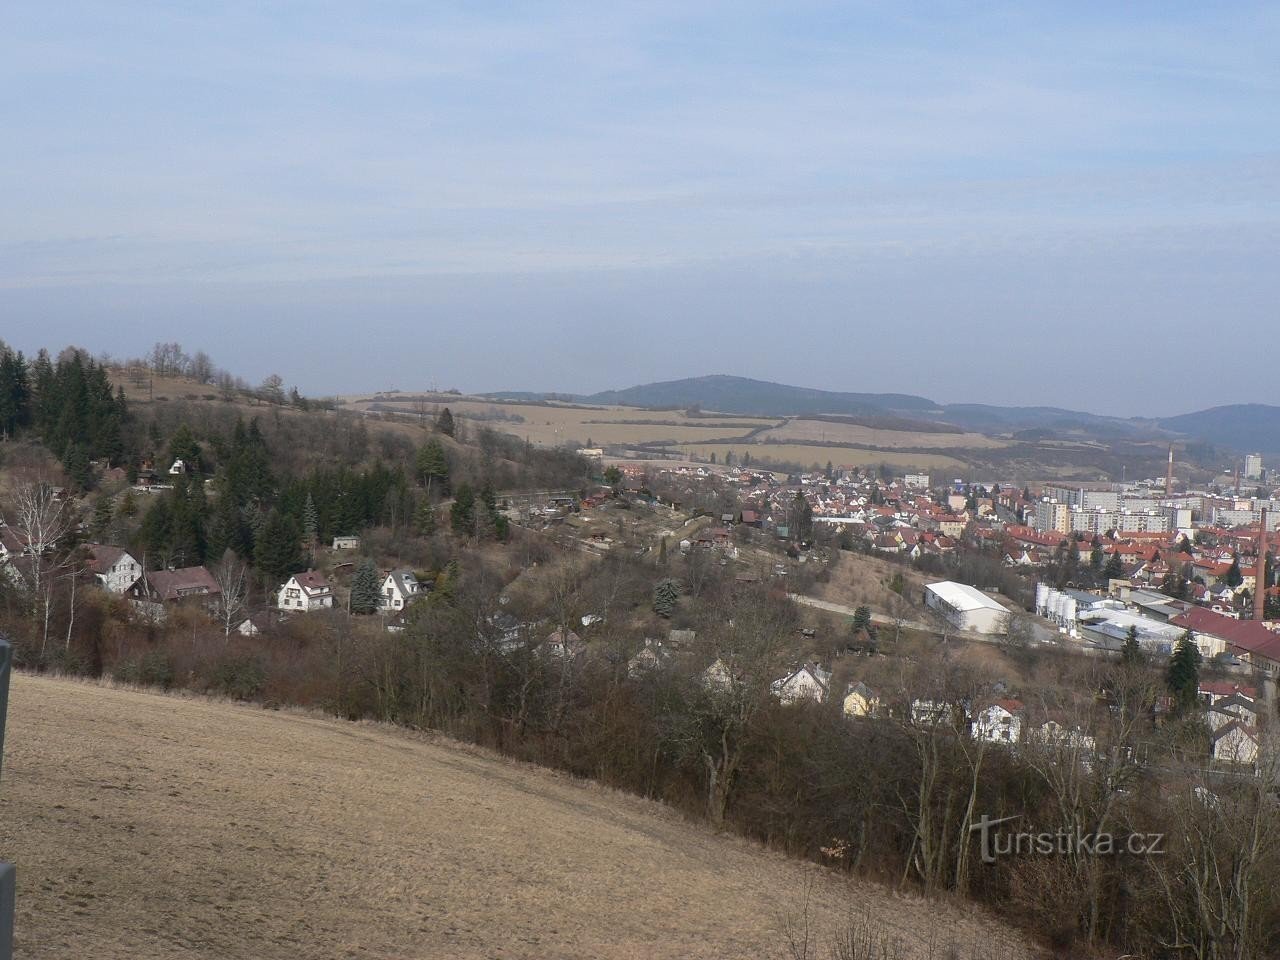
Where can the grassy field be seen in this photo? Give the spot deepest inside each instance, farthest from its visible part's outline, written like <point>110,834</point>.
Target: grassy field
<point>807,454</point>
<point>807,431</point>
<point>151,826</point>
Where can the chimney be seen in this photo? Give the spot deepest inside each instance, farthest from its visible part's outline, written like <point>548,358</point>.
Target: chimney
<point>1260,577</point>
<point>1168,480</point>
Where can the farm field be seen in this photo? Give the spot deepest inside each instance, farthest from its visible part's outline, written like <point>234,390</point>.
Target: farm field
<point>807,454</point>
<point>552,425</point>
<point>154,826</point>
<point>801,430</point>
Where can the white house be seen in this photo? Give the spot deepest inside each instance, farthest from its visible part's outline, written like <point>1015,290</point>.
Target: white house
<point>1053,734</point>
<point>966,607</point>
<point>346,543</point>
<point>810,682</point>
<point>1236,742</point>
<point>1001,722</point>
<point>305,592</point>
<point>179,467</point>
<point>115,568</point>
<point>934,713</point>
<point>398,589</point>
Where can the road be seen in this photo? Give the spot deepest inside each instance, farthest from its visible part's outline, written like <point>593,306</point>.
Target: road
<point>882,619</point>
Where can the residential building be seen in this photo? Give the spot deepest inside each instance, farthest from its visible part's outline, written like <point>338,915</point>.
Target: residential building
<point>1000,722</point>
<point>305,592</point>
<point>115,568</point>
<point>810,682</point>
<point>398,589</point>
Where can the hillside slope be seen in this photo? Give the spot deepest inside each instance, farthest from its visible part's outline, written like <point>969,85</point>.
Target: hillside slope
<point>152,826</point>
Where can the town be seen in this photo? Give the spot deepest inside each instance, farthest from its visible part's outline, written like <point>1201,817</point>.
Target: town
<point>240,542</point>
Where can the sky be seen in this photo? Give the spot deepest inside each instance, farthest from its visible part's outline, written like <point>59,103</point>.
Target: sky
<point>1016,203</point>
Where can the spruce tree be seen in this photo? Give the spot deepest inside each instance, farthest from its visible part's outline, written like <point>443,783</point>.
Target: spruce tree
<point>432,468</point>
<point>102,516</point>
<point>364,588</point>
<point>310,524</point>
<point>462,513</point>
<point>1114,570</point>
<point>275,550</point>
<point>1130,651</point>
<point>1183,677</point>
<point>444,423</point>
<point>424,519</point>
<point>666,594</point>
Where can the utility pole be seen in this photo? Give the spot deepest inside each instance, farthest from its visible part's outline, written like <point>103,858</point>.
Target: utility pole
<point>8,880</point>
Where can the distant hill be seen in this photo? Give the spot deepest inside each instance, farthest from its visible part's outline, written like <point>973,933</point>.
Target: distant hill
<point>1244,427</point>
<point>1238,427</point>
<point>759,397</point>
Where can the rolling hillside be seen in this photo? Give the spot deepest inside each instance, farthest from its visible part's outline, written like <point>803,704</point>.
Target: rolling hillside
<point>148,826</point>
<point>1240,427</point>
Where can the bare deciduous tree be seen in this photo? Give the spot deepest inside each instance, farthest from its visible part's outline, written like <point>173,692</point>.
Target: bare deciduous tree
<point>232,577</point>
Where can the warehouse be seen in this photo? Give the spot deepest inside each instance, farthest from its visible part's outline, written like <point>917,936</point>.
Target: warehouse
<point>966,607</point>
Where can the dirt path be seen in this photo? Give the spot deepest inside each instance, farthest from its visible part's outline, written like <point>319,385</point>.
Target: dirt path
<point>156,826</point>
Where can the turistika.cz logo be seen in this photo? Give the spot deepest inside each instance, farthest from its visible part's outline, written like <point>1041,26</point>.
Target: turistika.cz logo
<point>995,843</point>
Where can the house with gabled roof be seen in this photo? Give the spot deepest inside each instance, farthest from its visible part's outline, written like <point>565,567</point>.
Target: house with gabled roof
<point>809,682</point>
<point>116,569</point>
<point>305,592</point>
<point>399,587</point>
<point>999,722</point>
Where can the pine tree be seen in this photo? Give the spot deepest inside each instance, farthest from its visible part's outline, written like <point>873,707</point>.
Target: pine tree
<point>462,513</point>
<point>310,524</point>
<point>102,516</point>
<point>432,468</point>
<point>1183,677</point>
<point>424,519</point>
<point>275,551</point>
<point>861,619</point>
<point>1130,650</point>
<point>666,594</point>
<point>365,585</point>
<point>445,424</point>
<point>1114,570</point>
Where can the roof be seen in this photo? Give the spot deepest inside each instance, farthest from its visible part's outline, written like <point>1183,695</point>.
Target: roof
<point>1225,688</point>
<point>312,580</point>
<point>103,557</point>
<point>1247,635</point>
<point>962,597</point>
<point>186,581</point>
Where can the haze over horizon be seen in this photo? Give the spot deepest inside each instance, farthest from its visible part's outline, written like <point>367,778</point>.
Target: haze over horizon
<point>1020,204</point>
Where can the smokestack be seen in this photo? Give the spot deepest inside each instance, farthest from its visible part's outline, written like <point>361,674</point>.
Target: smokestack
<point>1168,480</point>
<point>1260,578</point>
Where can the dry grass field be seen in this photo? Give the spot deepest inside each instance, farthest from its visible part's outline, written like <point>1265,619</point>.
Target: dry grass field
<point>151,826</point>
<point>808,454</point>
<point>801,430</point>
<point>551,425</point>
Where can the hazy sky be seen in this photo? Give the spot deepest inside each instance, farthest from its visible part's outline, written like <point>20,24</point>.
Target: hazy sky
<point>1072,204</point>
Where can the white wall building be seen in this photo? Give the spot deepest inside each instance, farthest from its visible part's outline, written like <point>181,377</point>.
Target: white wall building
<point>305,592</point>
<point>398,589</point>
<point>966,607</point>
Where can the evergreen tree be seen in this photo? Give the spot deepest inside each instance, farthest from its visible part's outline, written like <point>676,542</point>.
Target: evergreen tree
<point>1183,677</point>
<point>1233,577</point>
<point>102,517</point>
<point>1097,559</point>
<point>801,518</point>
<point>462,513</point>
<point>365,585</point>
<point>310,524</point>
<point>666,594</point>
<point>1130,650</point>
<point>861,619</point>
<point>424,520</point>
<point>128,504</point>
<point>1114,570</point>
<point>445,424</point>
<point>276,552</point>
<point>432,468</point>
